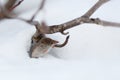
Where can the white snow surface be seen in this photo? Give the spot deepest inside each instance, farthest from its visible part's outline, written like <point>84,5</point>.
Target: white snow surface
<point>93,52</point>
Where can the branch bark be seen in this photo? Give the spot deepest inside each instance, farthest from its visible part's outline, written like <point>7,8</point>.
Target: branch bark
<point>95,7</point>
<point>83,19</point>
<point>40,8</point>
<point>14,6</point>
<point>42,29</point>
<point>10,4</point>
<point>5,13</point>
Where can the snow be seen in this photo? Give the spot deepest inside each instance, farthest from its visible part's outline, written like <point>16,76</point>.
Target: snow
<point>93,52</point>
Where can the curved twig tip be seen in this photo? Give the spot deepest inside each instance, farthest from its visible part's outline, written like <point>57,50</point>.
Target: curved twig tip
<point>64,33</point>
<point>65,42</point>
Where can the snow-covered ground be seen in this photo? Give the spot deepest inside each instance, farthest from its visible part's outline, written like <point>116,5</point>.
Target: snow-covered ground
<point>93,52</point>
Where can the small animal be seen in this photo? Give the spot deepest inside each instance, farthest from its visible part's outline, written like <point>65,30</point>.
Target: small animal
<point>42,47</point>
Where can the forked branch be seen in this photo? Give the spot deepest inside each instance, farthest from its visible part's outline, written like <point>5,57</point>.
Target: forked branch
<point>83,19</point>
<point>39,40</point>
<point>70,24</point>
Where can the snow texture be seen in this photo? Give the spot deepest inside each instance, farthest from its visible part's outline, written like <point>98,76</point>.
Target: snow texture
<point>93,52</point>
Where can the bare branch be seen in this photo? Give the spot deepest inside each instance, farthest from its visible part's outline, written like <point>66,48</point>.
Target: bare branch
<point>65,42</point>
<point>62,27</point>
<point>84,19</point>
<point>103,22</point>
<point>95,7</point>
<point>78,21</point>
<point>39,39</point>
<point>14,6</point>
<point>40,43</point>
<point>7,10</point>
<point>43,29</point>
<point>75,22</point>
<point>10,4</point>
<point>40,8</point>
<point>107,23</point>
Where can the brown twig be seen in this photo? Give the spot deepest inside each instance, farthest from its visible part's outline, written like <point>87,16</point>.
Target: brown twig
<point>70,24</point>
<point>10,4</point>
<point>7,9</point>
<point>83,19</point>
<point>103,22</point>
<point>40,8</point>
<point>78,21</point>
<point>95,7</point>
<point>42,29</point>
<point>63,44</point>
<point>14,6</point>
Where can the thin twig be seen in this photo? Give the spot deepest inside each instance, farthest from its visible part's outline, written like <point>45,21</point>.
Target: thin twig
<point>40,8</point>
<point>103,22</point>
<point>95,7</point>
<point>63,44</point>
<point>14,6</point>
<point>9,4</point>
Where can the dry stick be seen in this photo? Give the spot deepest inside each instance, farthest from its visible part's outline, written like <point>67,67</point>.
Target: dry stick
<point>0,6</point>
<point>14,6</point>
<point>9,4</point>
<point>8,8</point>
<point>95,7</point>
<point>2,11</point>
<point>107,23</point>
<point>77,21</point>
<point>103,22</point>
<point>40,8</point>
<point>63,44</point>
